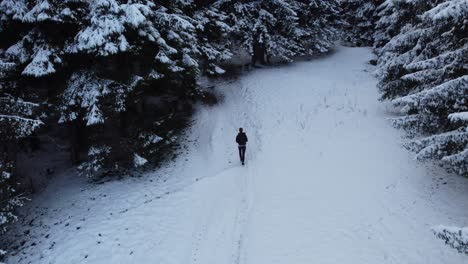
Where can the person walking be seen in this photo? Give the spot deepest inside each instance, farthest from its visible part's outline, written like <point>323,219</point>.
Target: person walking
<point>241,140</point>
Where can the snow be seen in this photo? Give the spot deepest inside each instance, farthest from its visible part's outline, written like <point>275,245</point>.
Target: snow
<point>462,116</point>
<point>133,14</point>
<point>455,88</point>
<point>454,9</point>
<point>188,61</point>
<point>325,181</point>
<point>5,175</point>
<point>96,155</point>
<point>219,70</point>
<point>154,75</point>
<point>23,126</point>
<point>179,22</point>
<point>18,51</point>
<point>162,57</point>
<point>104,35</point>
<point>139,161</point>
<point>39,12</point>
<point>150,139</point>
<point>94,116</point>
<point>14,8</point>
<point>85,90</point>
<point>41,64</point>
<point>175,68</point>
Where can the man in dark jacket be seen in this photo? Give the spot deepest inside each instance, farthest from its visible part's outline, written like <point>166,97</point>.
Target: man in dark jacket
<point>241,139</point>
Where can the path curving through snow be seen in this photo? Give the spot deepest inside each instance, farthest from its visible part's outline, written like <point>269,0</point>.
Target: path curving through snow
<point>326,181</point>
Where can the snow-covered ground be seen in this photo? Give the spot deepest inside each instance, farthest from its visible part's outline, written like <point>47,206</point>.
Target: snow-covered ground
<point>326,181</point>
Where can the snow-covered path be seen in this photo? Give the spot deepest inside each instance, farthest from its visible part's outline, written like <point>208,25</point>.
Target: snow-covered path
<point>326,181</point>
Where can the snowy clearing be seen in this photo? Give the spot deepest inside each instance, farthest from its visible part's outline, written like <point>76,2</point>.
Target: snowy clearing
<point>326,181</point>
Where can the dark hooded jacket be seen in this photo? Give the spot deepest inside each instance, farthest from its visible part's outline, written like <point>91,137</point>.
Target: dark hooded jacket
<point>241,139</point>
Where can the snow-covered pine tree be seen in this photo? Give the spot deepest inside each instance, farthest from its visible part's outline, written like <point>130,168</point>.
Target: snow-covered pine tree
<point>36,33</point>
<point>51,45</point>
<point>17,121</point>
<point>214,33</point>
<point>40,29</point>
<point>423,71</point>
<point>360,19</point>
<point>11,199</point>
<point>18,116</point>
<point>319,23</point>
<point>282,29</point>
<point>397,46</point>
<point>147,45</point>
<point>241,16</point>
<point>393,15</point>
<point>453,236</point>
<point>276,31</point>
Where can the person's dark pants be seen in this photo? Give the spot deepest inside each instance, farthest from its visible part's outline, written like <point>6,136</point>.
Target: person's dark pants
<point>242,153</point>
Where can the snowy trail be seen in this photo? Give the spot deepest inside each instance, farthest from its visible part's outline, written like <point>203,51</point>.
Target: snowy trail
<point>326,181</point>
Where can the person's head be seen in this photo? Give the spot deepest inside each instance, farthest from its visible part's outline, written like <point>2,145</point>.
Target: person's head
<point>241,130</point>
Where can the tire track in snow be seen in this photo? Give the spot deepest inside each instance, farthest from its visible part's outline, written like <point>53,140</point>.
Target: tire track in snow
<point>226,209</point>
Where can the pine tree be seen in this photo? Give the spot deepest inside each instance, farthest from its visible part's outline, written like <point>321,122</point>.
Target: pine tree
<point>394,15</point>
<point>360,18</point>
<point>453,236</point>
<point>18,115</point>
<point>282,29</point>
<point>106,43</point>
<point>423,71</point>
<point>318,25</point>
<point>214,32</point>
<point>10,198</point>
<point>160,41</point>
<point>17,121</point>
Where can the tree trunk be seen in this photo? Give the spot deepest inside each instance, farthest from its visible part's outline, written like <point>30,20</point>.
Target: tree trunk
<point>259,53</point>
<point>74,133</point>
